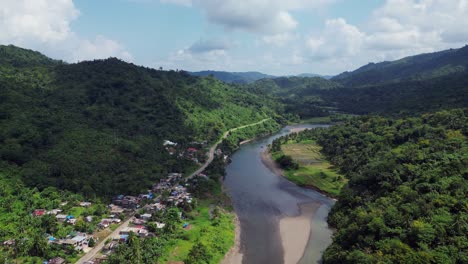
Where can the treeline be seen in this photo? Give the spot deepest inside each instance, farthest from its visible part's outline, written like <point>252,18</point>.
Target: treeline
<point>406,197</point>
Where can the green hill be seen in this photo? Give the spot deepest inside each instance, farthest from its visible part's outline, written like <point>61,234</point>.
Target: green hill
<point>405,201</point>
<point>419,67</point>
<point>98,127</point>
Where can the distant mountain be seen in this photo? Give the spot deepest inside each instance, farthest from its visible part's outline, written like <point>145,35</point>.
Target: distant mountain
<point>294,86</point>
<point>413,68</point>
<point>234,77</point>
<point>314,75</point>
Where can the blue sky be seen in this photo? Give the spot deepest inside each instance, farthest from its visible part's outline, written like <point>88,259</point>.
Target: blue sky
<point>272,36</point>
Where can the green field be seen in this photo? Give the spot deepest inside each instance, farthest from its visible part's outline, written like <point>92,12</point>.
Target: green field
<point>313,170</point>
<point>218,236</point>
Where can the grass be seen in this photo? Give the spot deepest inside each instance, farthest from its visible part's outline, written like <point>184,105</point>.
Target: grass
<point>313,170</point>
<point>218,238</point>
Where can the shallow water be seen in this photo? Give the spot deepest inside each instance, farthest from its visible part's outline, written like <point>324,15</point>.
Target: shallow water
<point>261,198</point>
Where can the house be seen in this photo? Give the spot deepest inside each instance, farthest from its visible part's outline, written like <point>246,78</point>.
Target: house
<point>61,217</point>
<point>85,204</point>
<point>80,239</point>
<point>56,260</point>
<point>139,230</point>
<point>146,217</point>
<point>160,225</point>
<point>115,209</point>
<point>9,243</point>
<point>71,221</point>
<point>111,245</point>
<point>169,143</point>
<point>39,212</point>
<point>89,218</point>
<point>54,212</point>
<point>104,224</point>
<point>192,150</point>
<point>137,221</point>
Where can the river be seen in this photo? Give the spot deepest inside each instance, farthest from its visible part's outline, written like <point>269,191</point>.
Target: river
<point>262,199</point>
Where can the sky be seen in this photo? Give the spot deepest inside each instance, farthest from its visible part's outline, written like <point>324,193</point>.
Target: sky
<point>280,37</point>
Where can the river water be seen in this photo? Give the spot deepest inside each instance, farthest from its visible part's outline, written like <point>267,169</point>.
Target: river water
<point>261,198</point>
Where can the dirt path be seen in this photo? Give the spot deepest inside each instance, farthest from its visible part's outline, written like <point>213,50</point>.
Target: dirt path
<point>91,254</point>
<point>213,148</point>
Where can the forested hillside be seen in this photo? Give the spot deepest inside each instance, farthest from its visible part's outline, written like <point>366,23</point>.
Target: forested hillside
<point>98,127</point>
<point>419,67</point>
<point>413,85</point>
<point>446,92</point>
<point>233,77</point>
<point>300,95</point>
<point>406,197</point>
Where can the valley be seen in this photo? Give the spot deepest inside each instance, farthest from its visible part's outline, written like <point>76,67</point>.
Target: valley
<point>391,151</point>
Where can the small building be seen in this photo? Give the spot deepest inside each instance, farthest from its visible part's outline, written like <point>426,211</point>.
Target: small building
<point>56,260</point>
<point>169,143</point>
<point>85,204</point>
<point>61,217</point>
<point>146,217</point>
<point>89,218</point>
<point>39,212</point>
<point>104,224</point>
<point>54,211</point>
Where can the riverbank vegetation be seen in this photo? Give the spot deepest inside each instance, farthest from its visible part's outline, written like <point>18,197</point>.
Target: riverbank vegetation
<point>405,201</point>
<point>299,155</point>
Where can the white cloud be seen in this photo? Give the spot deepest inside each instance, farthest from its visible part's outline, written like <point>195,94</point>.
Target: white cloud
<point>337,39</point>
<point>44,25</point>
<point>40,20</point>
<point>100,48</point>
<point>280,39</point>
<point>270,17</point>
<point>397,29</point>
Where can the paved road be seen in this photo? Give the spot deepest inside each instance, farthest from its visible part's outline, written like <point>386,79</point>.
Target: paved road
<point>92,253</point>
<point>213,148</point>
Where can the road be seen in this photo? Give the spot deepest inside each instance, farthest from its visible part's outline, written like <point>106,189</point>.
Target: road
<point>213,148</point>
<point>91,254</point>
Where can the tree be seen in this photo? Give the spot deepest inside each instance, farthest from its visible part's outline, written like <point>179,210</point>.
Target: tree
<point>198,255</point>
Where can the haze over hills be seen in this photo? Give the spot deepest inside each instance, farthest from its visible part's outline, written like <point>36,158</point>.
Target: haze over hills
<point>413,68</point>
<point>234,77</point>
<point>248,77</point>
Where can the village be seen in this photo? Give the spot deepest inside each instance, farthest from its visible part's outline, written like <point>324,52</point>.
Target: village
<point>126,214</point>
<point>139,210</point>
<point>96,235</point>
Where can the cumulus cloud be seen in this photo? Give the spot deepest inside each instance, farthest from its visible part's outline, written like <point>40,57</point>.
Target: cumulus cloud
<point>399,28</point>
<point>258,16</point>
<point>45,25</point>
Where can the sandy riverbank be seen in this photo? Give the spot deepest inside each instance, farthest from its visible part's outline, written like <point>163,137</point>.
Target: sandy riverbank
<point>295,232</point>
<point>234,256</point>
<point>270,163</point>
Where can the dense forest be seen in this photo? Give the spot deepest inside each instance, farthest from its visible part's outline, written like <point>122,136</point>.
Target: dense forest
<point>413,68</point>
<point>405,201</point>
<point>98,127</point>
